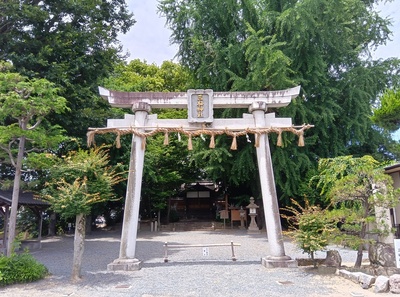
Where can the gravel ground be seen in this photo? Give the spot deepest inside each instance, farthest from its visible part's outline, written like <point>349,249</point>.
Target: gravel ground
<point>188,273</point>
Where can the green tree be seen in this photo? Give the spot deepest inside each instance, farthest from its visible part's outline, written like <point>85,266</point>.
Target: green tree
<point>73,44</point>
<point>24,104</point>
<point>138,76</point>
<point>360,192</point>
<point>267,45</point>
<point>75,184</point>
<point>388,110</point>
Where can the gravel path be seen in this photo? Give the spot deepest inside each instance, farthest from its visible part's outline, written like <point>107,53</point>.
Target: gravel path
<point>188,273</point>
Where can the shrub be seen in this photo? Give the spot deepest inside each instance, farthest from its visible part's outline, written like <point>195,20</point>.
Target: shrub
<point>310,227</point>
<point>20,268</point>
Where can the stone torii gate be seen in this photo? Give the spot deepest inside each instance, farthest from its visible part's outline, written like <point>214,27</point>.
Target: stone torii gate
<point>200,104</point>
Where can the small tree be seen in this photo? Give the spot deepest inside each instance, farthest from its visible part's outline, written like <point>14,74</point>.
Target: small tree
<point>75,185</point>
<point>24,103</point>
<point>309,227</point>
<point>357,187</point>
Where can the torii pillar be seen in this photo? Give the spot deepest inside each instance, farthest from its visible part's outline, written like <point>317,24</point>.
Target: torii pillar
<point>277,257</point>
<point>200,104</point>
<point>127,260</point>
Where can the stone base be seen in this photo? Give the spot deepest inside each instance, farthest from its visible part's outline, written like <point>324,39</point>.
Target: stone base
<point>31,244</point>
<point>282,262</point>
<point>125,265</point>
<point>251,230</point>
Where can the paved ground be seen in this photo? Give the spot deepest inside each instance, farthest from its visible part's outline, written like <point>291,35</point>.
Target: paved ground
<point>189,272</point>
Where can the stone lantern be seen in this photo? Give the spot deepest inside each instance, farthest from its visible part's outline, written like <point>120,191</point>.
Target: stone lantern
<point>242,214</point>
<point>253,228</point>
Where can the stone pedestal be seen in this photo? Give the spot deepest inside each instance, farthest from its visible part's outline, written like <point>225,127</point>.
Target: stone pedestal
<point>283,262</point>
<point>253,228</point>
<point>124,265</point>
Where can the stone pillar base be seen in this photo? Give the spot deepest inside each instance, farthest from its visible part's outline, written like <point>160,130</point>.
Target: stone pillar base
<point>253,231</point>
<point>124,265</point>
<point>275,262</point>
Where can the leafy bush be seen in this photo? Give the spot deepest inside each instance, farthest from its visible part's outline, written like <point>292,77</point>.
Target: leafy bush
<point>310,227</point>
<point>20,268</point>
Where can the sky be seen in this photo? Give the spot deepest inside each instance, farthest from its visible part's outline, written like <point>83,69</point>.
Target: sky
<point>148,40</point>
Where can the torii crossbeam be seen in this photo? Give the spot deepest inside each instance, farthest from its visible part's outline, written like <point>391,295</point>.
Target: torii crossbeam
<point>200,105</point>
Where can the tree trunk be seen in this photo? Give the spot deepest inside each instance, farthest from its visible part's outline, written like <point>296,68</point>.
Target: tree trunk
<point>52,224</point>
<point>15,197</point>
<point>79,245</point>
<point>313,259</point>
<point>359,256</point>
<point>361,246</point>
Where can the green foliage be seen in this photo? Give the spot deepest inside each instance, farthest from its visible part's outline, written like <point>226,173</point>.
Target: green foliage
<point>360,192</point>
<point>79,181</point>
<point>28,98</point>
<point>387,113</point>
<point>27,221</point>
<point>73,44</point>
<point>350,226</point>
<point>311,229</point>
<point>24,104</point>
<point>264,55</point>
<point>267,45</point>
<point>137,76</point>
<point>20,268</point>
<point>166,168</point>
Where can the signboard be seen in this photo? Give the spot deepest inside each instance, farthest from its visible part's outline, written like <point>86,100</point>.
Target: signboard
<point>397,252</point>
<point>206,251</point>
<point>200,106</point>
<point>224,214</point>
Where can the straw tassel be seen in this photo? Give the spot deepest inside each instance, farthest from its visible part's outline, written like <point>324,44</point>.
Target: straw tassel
<point>190,145</point>
<point>166,138</point>
<point>234,143</point>
<point>301,139</point>
<point>143,143</point>
<point>90,138</point>
<point>257,140</point>
<point>279,142</point>
<point>212,141</point>
<point>118,140</point>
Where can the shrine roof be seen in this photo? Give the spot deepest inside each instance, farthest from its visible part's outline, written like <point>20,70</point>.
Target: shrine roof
<point>393,168</point>
<point>25,198</point>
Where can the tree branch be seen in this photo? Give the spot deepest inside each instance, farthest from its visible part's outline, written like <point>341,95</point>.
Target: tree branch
<point>36,124</point>
<point>8,151</point>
